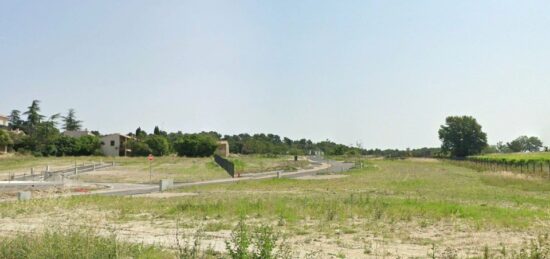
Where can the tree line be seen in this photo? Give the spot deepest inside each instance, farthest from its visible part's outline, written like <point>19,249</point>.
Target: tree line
<point>40,135</point>
<point>462,136</point>
<point>34,133</point>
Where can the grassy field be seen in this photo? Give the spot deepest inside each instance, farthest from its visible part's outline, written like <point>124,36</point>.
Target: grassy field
<point>389,208</point>
<point>136,169</point>
<point>71,243</point>
<point>23,164</point>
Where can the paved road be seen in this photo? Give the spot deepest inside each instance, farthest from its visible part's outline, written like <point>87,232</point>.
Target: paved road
<point>319,166</point>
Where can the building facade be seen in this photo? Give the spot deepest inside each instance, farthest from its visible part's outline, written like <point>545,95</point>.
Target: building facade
<point>223,148</point>
<point>114,145</point>
<point>4,121</point>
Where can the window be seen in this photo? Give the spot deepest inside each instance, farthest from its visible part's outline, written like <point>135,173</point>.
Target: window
<point>112,143</point>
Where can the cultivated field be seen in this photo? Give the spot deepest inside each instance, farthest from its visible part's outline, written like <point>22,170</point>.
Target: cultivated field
<point>409,208</point>
<point>535,156</point>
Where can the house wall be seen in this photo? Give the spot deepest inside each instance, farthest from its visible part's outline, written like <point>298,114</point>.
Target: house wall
<point>110,145</point>
<point>223,148</point>
<point>4,121</point>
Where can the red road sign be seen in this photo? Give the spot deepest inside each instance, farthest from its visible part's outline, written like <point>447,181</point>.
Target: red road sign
<point>150,157</point>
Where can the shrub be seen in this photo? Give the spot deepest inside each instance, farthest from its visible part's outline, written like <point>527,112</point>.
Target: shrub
<point>88,145</point>
<point>261,244</point>
<point>138,148</point>
<point>158,144</point>
<point>195,145</point>
<point>66,146</point>
<point>5,139</point>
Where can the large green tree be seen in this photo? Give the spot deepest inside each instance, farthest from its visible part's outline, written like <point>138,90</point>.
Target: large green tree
<point>195,145</point>
<point>5,139</point>
<point>524,144</point>
<point>158,144</point>
<point>33,116</point>
<point>461,136</point>
<point>43,140</point>
<point>88,145</point>
<point>15,120</point>
<point>138,147</point>
<point>70,122</point>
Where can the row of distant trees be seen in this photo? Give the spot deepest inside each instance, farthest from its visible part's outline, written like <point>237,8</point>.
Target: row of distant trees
<point>35,133</point>
<point>205,143</point>
<point>32,132</point>
<point>462,136</point>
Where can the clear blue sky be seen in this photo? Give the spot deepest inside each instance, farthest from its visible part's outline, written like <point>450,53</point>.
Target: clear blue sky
<point>385,73</point>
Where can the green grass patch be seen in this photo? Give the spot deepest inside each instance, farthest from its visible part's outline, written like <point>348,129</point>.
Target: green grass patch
<point>74,243</point>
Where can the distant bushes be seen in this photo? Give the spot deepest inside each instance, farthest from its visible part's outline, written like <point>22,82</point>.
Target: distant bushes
<point>159,145</point>
<point>139,148</point>
<point>153,144</point>
<point>5,139</point>
<point>195,145</point>
<point>82,146</point>
<point>58,145</point>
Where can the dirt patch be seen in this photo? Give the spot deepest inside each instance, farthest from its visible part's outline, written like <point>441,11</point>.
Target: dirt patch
<point>322,177</point>
<point>69,188</point>
<point>349,240</point>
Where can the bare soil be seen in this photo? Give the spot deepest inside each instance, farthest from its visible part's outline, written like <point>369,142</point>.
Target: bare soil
<point>407,239</point>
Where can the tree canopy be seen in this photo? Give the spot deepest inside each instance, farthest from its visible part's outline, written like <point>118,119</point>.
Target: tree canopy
<point>462,136</point>
<point>15,121</point>
<point>70,122</point>
<point>195,145</point>
<point>33,116</point>
<point>5,139</point>
<point>525,144</point>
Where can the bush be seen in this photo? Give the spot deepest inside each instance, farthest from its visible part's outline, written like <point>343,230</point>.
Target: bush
<point>5,139</point>
<point>66,146</point>
<point>138,148</point>
<point>87,145</point>
<point>158,144</point>
<point>82,146</point>
<point>261,244</point>
<point>195,145</point>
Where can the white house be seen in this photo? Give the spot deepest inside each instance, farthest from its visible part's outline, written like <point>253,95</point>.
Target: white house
<point>114,144</point>
<point>4,121</point>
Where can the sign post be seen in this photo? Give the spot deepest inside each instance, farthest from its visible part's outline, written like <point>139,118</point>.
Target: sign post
<point>150,158</point>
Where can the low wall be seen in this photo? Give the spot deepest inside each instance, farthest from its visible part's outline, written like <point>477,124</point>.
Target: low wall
<point>227,165</point>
